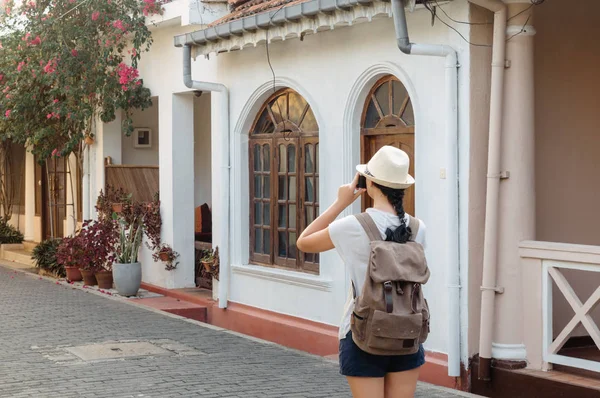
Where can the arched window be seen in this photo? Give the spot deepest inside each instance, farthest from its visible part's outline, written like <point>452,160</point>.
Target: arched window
<point>284,181</point>
<point>388,119</point>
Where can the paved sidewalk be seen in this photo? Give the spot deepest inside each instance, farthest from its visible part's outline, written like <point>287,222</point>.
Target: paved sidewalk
<point>41,322</point>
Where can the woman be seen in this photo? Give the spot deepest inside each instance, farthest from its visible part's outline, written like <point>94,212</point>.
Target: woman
<point>369,376</point>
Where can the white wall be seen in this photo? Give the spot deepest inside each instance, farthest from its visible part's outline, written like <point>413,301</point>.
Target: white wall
<point>202,152</point>
<point>334,71</point>
<point>147,118</point>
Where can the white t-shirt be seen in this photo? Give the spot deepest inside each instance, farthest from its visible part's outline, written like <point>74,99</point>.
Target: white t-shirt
<point>353,245</point>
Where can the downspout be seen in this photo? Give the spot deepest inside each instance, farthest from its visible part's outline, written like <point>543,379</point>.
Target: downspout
<point>224,251</point>
<point>453,272</point>
<point>490,248</point>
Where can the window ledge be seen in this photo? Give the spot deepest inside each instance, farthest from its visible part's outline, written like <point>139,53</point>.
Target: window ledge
<point>283,276</point>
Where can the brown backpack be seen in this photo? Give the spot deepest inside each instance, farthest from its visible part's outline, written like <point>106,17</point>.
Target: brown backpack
<point>390,316</point>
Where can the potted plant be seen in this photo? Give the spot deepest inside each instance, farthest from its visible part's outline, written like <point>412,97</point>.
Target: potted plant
<point>99,238</point>
<point>44,256</point>
<point>71,255</point>
<point>167,255</point>
<point>209,260</point>
<point>127,271</point>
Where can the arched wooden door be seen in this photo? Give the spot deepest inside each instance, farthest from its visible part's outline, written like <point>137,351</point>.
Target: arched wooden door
<point>388,119</point>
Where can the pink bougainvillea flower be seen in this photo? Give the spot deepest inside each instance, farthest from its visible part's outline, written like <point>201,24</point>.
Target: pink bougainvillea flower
<point>49,116</point>
<point>20,66</point>
<point>26,37</point>
<point>7,113</point>
<point>95,15</point>
<point>51,66</point>
<point>35,42</point>
<point>74,52</point>
<point>119,25</point>
<point>55,151</point>
<point>55,101</point>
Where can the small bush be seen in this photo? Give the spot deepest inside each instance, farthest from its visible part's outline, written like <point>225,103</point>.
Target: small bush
<point>44,255</point>
<point>9,234</point>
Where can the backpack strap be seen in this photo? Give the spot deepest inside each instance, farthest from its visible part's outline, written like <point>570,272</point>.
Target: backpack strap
<point>414,225</point>
<point>369,226</point>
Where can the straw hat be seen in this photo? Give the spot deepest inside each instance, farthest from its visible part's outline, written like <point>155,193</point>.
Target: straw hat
<point>388,167</point>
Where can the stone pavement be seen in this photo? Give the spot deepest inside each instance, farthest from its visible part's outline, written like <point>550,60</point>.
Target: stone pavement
<point>42,324</point>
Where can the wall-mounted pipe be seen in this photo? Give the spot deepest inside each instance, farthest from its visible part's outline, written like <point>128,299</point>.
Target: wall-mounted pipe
<point>452,233</point>
<point>490,247</point>
<point>224,244</point>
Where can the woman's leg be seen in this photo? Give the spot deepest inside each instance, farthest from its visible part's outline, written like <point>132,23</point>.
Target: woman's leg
<point>367,387</point>
<point>401,384</point>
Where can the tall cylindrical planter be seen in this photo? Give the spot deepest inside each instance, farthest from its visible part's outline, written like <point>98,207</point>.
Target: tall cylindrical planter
<point>127,278</point>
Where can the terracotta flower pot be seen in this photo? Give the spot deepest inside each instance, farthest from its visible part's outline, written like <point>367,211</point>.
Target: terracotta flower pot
<point>73,274</point>
<point>164,256</point>
<point>208,265</point>
<point>88,277</point>
<point>105,279</point>
<point>117,207</point>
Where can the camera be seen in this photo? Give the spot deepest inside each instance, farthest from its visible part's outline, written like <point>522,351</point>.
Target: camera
<point>362,182</point>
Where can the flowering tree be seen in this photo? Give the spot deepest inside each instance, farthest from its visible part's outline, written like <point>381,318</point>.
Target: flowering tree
<point>63,63</point>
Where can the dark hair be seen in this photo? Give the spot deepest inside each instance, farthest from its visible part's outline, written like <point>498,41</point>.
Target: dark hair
<point>396,197</point>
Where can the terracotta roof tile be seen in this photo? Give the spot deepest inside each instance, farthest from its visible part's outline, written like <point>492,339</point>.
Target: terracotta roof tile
<point>246,8</point>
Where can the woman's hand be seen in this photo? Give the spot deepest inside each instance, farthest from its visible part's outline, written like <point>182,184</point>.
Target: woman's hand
<point>348,193</point>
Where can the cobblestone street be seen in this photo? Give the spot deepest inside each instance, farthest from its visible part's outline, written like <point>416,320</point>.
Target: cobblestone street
<point>40,321</point>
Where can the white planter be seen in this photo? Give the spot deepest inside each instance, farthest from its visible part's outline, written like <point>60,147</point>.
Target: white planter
<point>127,278</point>
<point>215,289</point>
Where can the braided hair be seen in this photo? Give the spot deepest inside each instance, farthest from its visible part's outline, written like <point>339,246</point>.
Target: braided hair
<point>395,197</point>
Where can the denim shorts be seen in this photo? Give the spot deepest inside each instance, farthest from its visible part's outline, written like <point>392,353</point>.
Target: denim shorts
<point>355,362</point>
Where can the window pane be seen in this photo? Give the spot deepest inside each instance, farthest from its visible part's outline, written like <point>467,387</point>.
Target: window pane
<point>282,188</point>
<point>279,108</point>
<point>267,240</point>
<point>309,214</point>
<point>282,158</point>
<point>264,125</point>
<point>309,190</point>
<point>309,124</point>
<point>282,244</point>
<point>267,186</point>
<point>292,159</point>
<point>292,217</point>
<point>293,188</point>
<point>266,158</point>
<point>267,214</point>
<point>257,157</point>
<point>258,220</point>
<point>372,117</point>
<point>292,246</point>
<point>258,247</point>
<point>282,216</point>
<point>317,190</point>
<point>257,187</point>
<point>383,98</point>
<point>297,105</point>
<point>309,158</point>
<point>309,257</point>
<point>399,95</point>
<point>317,157</point>
<point>408,116</point>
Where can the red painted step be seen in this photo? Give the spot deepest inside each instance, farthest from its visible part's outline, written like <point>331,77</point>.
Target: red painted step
<point>175,306</point>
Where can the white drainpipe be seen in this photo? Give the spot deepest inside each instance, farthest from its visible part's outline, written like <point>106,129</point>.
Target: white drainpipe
<point>490,248</point>
<point>452,233</point>
<point>223,218</point>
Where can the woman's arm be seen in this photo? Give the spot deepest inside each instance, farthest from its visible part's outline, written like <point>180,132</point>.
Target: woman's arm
<point>315,238</point>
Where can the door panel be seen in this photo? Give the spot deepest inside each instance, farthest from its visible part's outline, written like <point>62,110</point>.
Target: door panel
<point>55,197</point>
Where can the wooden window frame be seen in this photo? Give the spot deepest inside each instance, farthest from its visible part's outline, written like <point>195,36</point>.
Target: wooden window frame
<point>286,133</point>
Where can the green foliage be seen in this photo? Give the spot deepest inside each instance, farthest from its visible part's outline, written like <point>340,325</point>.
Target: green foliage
<point>44,256</point>
<point>65,63</point>
<point>9,234</point>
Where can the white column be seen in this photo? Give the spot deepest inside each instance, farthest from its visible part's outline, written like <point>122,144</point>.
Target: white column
<point>71,195</point>
<point>108,142</point>
<point>176,168</point>
<point>30,184</point>
<point>517,192</point>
